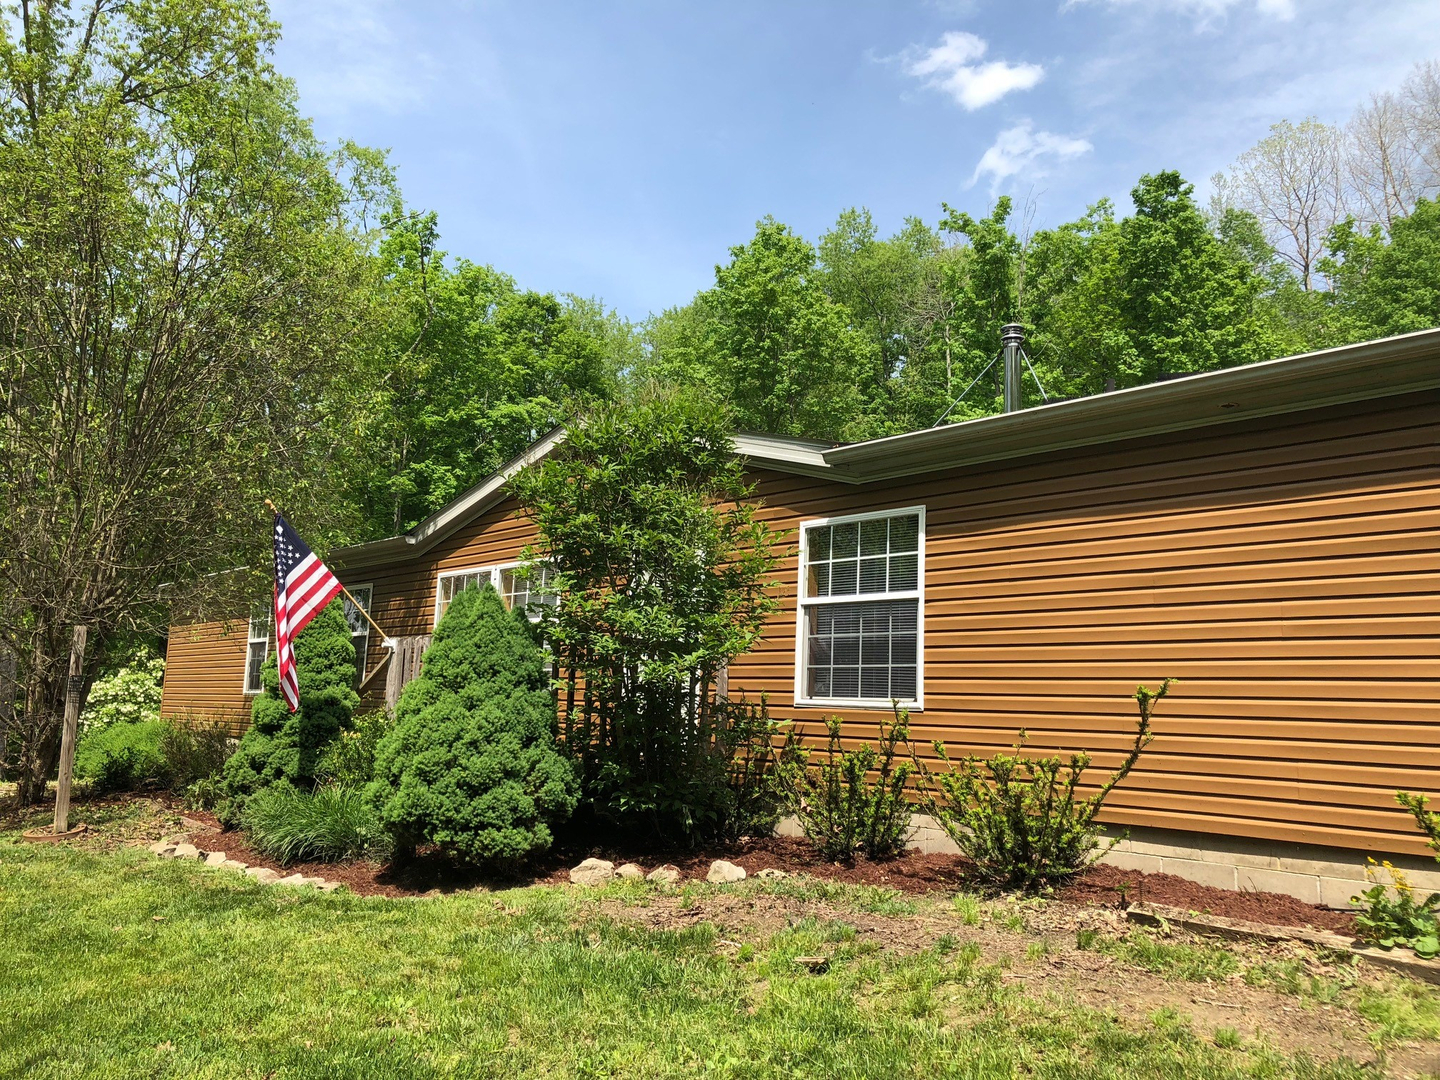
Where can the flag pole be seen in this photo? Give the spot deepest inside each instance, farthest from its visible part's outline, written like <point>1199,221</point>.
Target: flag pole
<point>385,639</point>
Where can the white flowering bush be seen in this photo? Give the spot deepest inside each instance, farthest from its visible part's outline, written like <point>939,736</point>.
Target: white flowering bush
<point>130,694</point>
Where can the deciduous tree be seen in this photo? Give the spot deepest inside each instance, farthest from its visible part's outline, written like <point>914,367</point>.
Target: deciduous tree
<point>179,267</point>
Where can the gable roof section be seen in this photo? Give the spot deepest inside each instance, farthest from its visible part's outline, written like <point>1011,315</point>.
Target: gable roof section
<point>1373,369</point>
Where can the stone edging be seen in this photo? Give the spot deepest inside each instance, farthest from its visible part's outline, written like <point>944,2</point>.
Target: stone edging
<point>168,849</point>
<point>1148,914</point>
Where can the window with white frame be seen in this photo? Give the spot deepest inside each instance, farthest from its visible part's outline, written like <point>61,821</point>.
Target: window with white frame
<point>527,591</point>
<point>860,632</point>
<point>257,648</point>
<point>359,628</point>
<point>516,588</point>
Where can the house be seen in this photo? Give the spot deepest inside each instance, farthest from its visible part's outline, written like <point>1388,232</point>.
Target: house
<point>1269,535</point>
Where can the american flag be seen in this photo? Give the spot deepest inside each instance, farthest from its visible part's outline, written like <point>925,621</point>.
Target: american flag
<point>303,585</point>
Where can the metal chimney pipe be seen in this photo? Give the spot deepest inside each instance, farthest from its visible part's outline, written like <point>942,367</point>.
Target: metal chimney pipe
<point>1012,336</point>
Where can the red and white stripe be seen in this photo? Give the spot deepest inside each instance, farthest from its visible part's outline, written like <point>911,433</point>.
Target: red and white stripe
<point>306,589</point>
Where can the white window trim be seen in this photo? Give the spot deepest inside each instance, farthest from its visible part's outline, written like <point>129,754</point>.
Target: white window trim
<point>803,602</point>
<point>364,631</point>
<point>494,571</point>
<point>250,639</point>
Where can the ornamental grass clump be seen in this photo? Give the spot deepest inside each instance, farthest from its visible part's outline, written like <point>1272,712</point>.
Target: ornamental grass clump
<point>473,763</point>
<point>329,824</point>
<point>853,801</point>
<point>1020,820</point>
<point>285,748</point>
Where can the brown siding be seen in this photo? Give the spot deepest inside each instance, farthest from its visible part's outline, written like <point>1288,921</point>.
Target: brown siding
<point>205,675</point>
<point>403,601</point>
<point>1285,570</point>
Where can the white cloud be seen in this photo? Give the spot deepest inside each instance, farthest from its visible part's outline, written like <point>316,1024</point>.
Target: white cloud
<point>952,66</point>
<point>1205,12</point>
<point>352,56</point>
<point>1019,149</point>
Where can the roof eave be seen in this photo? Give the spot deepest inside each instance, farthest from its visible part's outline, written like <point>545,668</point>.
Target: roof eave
<point>1330,377</point>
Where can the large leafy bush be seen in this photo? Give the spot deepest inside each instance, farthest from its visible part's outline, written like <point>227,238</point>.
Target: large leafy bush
<point>853,801</point>
<point>150,754</point>
<point>645,516</point>
<point>122,757</point>
<point>282,747</point>
<point>1021,820</point>
<point>349,761</point>
<point>473,763</point>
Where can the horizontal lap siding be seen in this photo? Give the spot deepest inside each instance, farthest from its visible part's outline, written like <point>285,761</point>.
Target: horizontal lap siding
<point>205,675</point>
<point>1286,571</point>
<point>403,597</point>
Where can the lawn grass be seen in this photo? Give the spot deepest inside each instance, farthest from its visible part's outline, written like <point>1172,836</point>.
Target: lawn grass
<point>120,964</point>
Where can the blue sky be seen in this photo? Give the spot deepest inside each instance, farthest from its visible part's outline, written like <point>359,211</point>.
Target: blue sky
<point>619,149</point>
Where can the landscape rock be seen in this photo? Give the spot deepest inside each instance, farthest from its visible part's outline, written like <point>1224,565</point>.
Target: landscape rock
<point>262,874</point>
<point>234,864</point>
<point>664,875</point>
<point>327,886</point>
<point>771,874</point>
<point>722,872</point>
<point>162,847</point>
<point>630,872</point>
<point>293,879</point>
<point>215,858</point>
<point>593,872</point>
<point>185,851</point>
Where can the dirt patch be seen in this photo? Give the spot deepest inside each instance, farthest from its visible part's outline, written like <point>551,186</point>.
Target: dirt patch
<point>1105,885</point>
<point>1061,973</point>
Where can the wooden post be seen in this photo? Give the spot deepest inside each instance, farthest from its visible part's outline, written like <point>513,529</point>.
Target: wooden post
<point>73,686</point>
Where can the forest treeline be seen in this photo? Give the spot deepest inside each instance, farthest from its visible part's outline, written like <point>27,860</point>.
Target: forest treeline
<point>1318,236</point>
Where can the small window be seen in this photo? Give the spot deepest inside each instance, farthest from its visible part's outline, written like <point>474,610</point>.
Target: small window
<point>359,628</point>
<point>527,592</point>
<point>860,628</point>
<point>257,648</point>
<point>454,582</point>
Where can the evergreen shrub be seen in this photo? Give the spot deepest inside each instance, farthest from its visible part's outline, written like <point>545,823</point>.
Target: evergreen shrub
<point>472,763</point>
<point>854,800</point>
<point>1021,820</point>
<point>281,747</point>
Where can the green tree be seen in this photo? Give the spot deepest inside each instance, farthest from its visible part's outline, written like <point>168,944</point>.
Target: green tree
<point>771,344</point>
<point>1154,294</point>
<point>1385,288</point>
<point>181,278</point>
<point>284,747</point>
<point>467,371</point>
<point>472,763</point>
<point>895,290</point>
<point>662,570</point>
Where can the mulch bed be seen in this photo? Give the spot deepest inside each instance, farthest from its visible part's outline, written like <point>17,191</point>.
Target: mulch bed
<point>914,872</point>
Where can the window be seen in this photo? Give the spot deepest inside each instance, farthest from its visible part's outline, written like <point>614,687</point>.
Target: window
<point>257,648</point>
<point>528,593</point>
<point>359,629</point>
<point>860,636</point>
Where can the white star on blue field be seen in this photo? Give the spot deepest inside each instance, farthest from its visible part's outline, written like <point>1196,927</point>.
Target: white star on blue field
<point>618,150</point>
